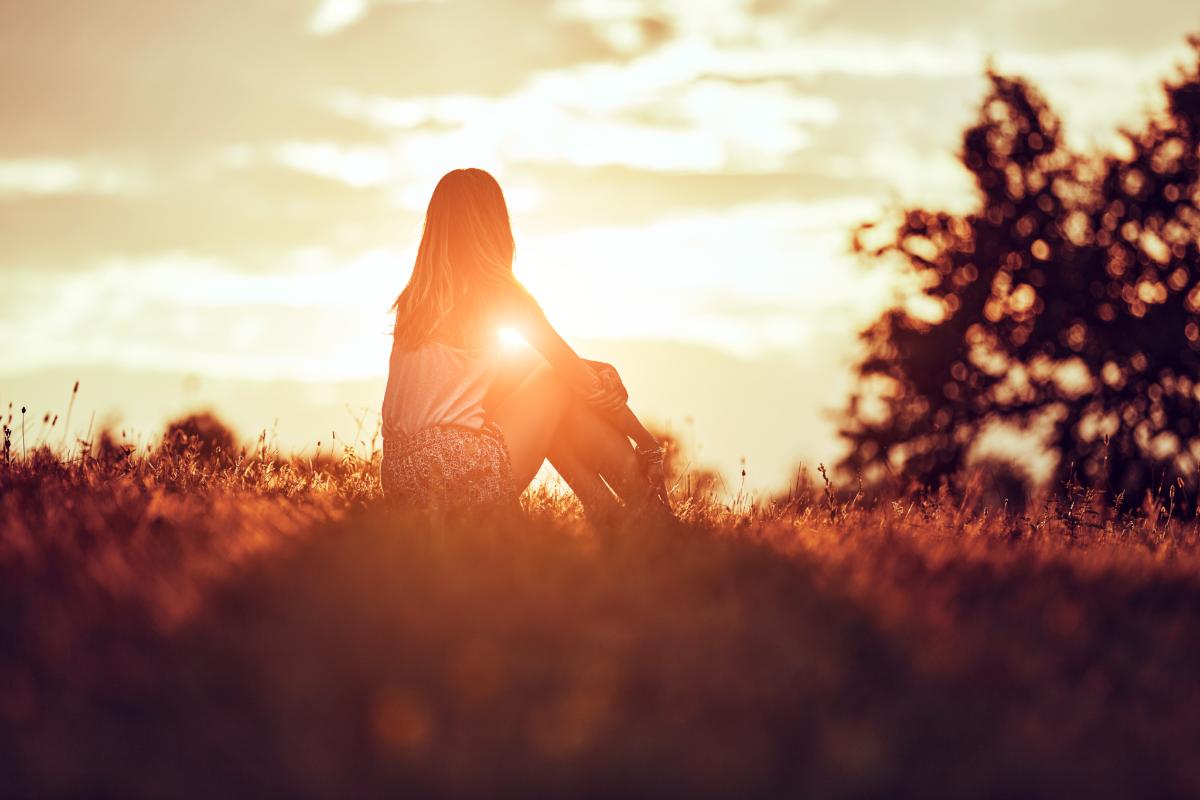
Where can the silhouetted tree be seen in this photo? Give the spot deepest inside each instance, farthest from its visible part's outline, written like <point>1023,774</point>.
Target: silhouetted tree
<point>202,434</point>
<point>1065,304</point>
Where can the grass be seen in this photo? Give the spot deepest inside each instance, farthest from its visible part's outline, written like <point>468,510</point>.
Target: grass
<point>182,624</point>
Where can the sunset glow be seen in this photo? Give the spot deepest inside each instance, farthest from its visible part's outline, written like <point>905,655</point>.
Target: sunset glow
<point>511,339</point>
<point>600,399</point>
<point>241,208</point>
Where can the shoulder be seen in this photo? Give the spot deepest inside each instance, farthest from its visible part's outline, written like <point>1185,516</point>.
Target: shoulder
<point>521,304</point>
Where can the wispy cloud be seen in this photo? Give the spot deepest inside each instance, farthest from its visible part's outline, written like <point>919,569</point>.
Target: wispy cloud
<point>49,176</point>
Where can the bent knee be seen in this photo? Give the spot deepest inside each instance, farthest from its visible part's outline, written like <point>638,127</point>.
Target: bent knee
<point>548,379</point>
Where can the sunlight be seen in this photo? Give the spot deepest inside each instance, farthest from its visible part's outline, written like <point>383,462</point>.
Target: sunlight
<point>527,397</point>
<point>741,280</point>
<point>510,339</point>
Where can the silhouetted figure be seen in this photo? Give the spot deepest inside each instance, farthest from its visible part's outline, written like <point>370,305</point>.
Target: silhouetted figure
<point>468,422</point>
<point>1068,302</point>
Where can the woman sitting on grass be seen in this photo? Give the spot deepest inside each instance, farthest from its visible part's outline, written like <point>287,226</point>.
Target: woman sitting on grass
<point>467,422</point>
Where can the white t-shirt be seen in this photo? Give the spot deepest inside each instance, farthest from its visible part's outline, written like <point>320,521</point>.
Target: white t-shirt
<point>437,384</point>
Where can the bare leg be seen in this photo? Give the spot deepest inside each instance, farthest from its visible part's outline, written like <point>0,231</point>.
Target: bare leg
<point>605,449</point>
<point>529,417</point>
<point>593,493</point>
<point>584,480</point>
<point>541,418</point>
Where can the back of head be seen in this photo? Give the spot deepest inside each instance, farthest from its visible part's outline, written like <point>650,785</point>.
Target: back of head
<point>463,270</point>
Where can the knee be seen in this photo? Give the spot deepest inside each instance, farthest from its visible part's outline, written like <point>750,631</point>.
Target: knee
<point>520,364</point>
<point>549,381</point>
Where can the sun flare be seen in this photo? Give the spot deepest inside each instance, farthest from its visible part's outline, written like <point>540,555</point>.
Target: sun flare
<point>510,339</point>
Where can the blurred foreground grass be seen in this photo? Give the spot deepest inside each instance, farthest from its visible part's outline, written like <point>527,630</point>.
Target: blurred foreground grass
<point>174,624</point>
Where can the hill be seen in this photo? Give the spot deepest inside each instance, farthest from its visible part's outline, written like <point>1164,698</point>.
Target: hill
<point>176,626</point>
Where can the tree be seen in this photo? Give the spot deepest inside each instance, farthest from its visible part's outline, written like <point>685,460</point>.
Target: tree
<point>1065,303</point>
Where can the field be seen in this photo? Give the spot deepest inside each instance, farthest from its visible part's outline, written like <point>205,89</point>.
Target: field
<point>176,623</point>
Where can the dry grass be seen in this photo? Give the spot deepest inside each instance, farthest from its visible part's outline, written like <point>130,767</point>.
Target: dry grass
<point>175,625</point>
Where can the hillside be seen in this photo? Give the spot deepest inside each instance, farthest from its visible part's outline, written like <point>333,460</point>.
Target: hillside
<point>175,627</point>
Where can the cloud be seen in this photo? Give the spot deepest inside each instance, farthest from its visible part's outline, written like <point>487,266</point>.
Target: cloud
<point>322,317</point>
<point>1028,25</point>
<point>330,16</point>
<point>150,75</point>
<point>249,215</point>
<point>720,21</point>
<point>50,176</point>
<point>660,280</point>
<point>207,128</point>
<point>571,196</point>
<point>657,112</point>
<point>232,130</point>
<point>235,188</point>
<point>477,46</point>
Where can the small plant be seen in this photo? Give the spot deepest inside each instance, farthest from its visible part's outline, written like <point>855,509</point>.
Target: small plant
<point>830,494</point>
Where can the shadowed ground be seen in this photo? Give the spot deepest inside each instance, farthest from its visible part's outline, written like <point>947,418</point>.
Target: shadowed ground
<point>176,629</point>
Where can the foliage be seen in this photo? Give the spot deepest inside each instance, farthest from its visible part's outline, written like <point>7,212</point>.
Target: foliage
<point>202,433</point>
<point>1065,306</point>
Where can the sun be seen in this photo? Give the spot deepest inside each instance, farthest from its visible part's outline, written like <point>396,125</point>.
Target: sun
<point>510,339</point>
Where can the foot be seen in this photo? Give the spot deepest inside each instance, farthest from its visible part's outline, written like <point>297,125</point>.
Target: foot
<point>652,462</point>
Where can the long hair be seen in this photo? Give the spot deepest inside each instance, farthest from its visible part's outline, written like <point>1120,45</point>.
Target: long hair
<point>463,271</point>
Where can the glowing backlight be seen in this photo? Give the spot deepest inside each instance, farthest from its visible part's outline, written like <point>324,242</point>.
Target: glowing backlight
<point>511,340</point>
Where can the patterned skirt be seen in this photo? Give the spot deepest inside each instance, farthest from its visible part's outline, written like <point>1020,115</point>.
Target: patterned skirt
<point>448,466</point>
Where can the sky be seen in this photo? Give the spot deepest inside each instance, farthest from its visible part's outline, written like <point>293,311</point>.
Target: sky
<point>213,204</point>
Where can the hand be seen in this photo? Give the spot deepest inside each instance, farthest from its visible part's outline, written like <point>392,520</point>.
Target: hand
<point>604,396</point>
<point>610,393</point>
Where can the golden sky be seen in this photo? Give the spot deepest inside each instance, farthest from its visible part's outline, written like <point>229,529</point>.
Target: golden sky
<point>214,203</point>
